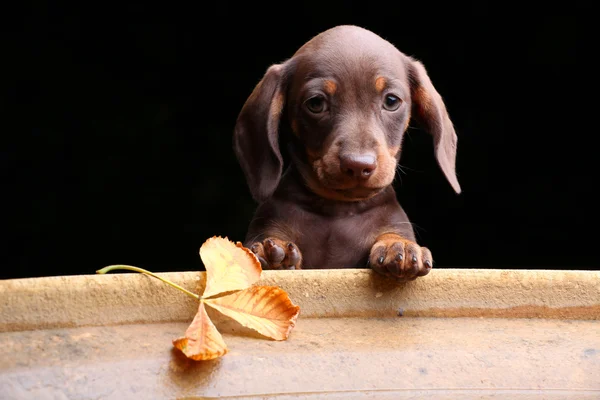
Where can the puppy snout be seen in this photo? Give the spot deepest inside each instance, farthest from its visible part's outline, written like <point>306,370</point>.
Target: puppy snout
<point>358,165</point>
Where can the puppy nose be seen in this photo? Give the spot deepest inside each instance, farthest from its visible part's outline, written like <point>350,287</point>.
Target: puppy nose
<point>358,165</point>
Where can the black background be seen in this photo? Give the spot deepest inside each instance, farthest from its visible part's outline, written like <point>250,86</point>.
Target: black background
<point>117,124</point>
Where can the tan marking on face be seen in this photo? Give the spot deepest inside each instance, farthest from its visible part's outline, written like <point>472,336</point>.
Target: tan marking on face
<point>330,87</point>
<point>386,168</point>
<point>325,166</point>
<point>324,175</point>
<point>380,84</point>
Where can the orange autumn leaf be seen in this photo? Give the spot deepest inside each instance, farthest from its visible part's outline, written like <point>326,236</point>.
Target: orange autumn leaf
<point>266,309</point>
<point>202,340</point>
<point>228,266</point>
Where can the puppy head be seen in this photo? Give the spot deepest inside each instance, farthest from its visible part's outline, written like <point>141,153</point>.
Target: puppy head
<point>348,96</point>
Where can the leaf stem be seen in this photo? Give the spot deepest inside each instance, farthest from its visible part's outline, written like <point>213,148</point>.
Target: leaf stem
<point>143,271</point>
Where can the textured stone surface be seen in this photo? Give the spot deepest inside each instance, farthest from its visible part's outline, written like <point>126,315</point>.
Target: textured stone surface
<point>72,301</point>
<point>69,301</point>
<point>459,358</point>
<point>445,292</point>
<point>468,334</point>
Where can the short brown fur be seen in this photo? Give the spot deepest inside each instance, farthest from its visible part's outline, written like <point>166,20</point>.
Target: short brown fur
<point>347,108</point>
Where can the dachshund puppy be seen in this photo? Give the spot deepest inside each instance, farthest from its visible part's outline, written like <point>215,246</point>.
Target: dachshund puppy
<point>338,108</point>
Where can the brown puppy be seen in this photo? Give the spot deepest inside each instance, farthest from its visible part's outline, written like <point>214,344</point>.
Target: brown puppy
<point>341,105</point>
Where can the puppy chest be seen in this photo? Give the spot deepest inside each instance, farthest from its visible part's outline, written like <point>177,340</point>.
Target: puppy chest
<point>334,243</point>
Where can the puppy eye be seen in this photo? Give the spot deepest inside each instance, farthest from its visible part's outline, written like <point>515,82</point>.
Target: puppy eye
<point>391,102</point>
<point>316,104</point>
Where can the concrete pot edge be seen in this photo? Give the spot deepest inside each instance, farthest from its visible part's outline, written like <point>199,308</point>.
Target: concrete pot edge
<point>125,298</point>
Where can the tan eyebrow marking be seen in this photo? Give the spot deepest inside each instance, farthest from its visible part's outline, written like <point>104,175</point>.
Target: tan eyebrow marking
<point>380,84</point>
<point>330,87</point>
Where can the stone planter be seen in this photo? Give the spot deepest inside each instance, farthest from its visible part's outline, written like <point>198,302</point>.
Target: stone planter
<point>468,334</point>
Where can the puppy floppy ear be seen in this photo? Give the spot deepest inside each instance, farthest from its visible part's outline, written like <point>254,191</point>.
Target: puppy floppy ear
<point>256,134</point>
<point>429,110</point>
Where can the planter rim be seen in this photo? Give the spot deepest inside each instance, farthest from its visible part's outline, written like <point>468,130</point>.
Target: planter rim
<point>125,298</point>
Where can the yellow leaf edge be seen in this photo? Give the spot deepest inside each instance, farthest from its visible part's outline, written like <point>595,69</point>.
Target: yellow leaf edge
<point>181,343</point>
<point>246,250</point>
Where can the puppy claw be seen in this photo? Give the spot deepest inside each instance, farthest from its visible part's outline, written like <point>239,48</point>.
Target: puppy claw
<point>388,258</point>
<point>274,253</point>
<point>277,254</point>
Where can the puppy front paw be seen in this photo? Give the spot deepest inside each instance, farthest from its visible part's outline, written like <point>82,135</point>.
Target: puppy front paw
<point>275,253</point>
<point>399,258</point>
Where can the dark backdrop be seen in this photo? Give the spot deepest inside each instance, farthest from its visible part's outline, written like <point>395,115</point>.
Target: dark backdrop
<point>117,126</point>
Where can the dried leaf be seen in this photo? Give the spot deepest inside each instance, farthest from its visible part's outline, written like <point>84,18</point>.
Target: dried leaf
<point>202,340</point>
<point>229,266</point>
<point>266,309</point>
